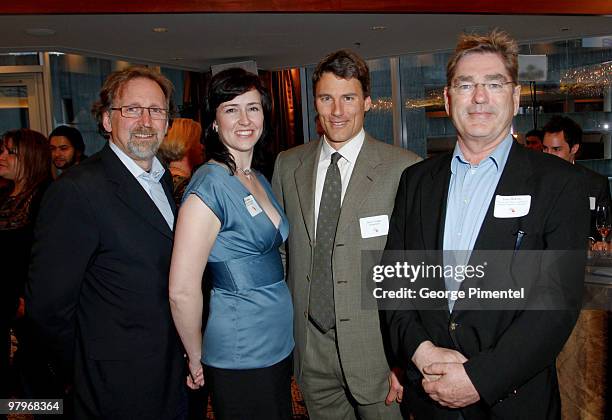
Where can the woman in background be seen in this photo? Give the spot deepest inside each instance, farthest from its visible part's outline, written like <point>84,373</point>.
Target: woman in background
<point>25,163</point>
<point>231,224</point>
<point>183,152</point>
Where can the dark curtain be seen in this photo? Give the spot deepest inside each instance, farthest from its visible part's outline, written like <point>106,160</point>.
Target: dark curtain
<point>287,130</point>
<point>194,93</point>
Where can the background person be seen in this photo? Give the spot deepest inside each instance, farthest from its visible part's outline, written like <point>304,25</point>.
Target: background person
<point>67,148</point>
<point>533,140</point>
<point>25,163</point>
<point>182,151</point>
<point>563,138</point>
<point>231,224</point>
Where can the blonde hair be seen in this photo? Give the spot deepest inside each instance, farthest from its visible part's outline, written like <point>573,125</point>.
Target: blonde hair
<point>182,140</point>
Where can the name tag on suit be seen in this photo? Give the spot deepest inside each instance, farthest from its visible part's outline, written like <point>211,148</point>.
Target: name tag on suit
<point>509,206</point>
<point>592,203</point>
<point>374,226</point>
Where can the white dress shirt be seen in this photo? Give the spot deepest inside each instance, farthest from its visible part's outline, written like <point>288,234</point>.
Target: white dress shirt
<point>150,182</point>
<point>349,153</point>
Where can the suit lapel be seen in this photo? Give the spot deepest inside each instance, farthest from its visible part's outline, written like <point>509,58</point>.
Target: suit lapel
<point>434,195</point>
<point>362,178</point>
<point>497,233</point>
<point>131,193</point>
<point>305,180</point>
<point>168,186</point>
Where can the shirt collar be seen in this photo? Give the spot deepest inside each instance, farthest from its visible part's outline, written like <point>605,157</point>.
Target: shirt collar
<point>157,169</point>
<point>499,155</point>
<point>349,151</point>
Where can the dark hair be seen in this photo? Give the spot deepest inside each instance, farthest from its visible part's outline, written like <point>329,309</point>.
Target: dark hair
<point>73,135</point>
<point>225,86</point>
<point>496,42</point>
<point>572,133</point>
<point>536,132</point>
<point>346,65</point>
<point>33,155</point>
<point>114,84</point>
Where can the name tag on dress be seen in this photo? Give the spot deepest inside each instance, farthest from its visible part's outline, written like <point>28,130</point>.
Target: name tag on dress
<point>374,226</point>
<point>509,206</point>
<point>252,206</point>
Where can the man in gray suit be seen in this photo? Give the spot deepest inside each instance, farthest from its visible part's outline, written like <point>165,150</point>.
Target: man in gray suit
<point>338,193</point>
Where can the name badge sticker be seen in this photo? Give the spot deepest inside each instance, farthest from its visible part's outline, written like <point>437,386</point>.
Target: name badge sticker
<point>251,205</point>
<point>509,206</point>
<point>592,203</point>
<point>374,226</point>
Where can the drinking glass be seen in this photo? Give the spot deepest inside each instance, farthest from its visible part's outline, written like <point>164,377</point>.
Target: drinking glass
<point>603,223</point>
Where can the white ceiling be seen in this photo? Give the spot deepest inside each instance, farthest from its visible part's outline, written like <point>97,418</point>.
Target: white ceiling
<point>274,40</point>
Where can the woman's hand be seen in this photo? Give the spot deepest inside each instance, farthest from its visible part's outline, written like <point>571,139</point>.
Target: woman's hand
<point>195,379</point>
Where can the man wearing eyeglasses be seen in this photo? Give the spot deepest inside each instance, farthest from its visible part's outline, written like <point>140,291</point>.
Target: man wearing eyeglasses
<point>99,274</point>
<point>488,194</point>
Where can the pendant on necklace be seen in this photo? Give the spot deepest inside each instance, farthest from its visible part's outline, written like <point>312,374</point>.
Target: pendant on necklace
<point>246,172</point>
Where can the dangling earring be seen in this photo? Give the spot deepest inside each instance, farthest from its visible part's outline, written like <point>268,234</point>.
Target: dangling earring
<point>215,127</point>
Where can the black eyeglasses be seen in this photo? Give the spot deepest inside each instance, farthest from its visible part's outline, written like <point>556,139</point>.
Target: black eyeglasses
<point>136,112</point>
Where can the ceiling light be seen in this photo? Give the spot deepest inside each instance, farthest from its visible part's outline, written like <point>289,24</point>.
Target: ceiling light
<point>378,28</point>
<point>40,31</point>
<point>160,30</point>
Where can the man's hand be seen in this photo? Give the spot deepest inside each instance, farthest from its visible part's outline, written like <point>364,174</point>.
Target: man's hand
<point>396,390</point>
<point>453,389</point>
<point>427,353</point>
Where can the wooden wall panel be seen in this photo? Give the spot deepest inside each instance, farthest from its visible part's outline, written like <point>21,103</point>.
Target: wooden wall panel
<point>549,7</point>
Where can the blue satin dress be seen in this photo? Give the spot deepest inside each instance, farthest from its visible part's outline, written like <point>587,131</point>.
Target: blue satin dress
<point>250,324</point>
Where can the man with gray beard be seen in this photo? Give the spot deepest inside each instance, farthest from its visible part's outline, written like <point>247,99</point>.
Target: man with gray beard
<point>98,287</point>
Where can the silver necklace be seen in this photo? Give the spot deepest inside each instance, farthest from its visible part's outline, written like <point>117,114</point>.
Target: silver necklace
<point>248,172</point>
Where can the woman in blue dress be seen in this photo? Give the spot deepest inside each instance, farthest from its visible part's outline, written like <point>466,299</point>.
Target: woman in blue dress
<point>231,224</point>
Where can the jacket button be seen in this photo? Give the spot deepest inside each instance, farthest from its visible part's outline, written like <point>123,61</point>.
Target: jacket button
<point>305,314</point>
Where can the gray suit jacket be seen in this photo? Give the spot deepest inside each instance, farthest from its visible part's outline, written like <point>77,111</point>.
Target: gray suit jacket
<point>371,192</point>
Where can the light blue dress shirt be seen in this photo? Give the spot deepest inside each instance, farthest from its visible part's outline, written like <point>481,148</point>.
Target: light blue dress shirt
<point>470,192</point>
<point>150,181</point>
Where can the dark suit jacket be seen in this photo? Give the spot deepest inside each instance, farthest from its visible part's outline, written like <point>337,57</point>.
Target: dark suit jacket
<point>99,290</point>
<point>599,190</point>
<point>511,354</point>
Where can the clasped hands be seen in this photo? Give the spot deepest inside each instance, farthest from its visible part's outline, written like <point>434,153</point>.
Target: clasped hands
<point>195,379</point>
<point>444,376</point>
